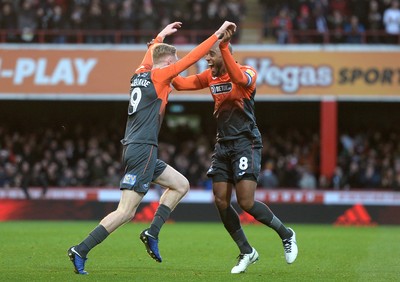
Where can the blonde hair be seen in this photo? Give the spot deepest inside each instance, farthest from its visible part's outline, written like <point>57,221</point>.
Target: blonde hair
<point>162,50</point>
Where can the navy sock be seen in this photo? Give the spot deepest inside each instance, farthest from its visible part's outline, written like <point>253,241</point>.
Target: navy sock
<point>93,239</point>
<point>161,216</point>
<point>263,214</point>
<point>231,221</point>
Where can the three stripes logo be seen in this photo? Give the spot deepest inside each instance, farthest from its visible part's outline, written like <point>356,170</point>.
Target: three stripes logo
<point>247,218</point>
<point>147,213</point>
<point>356,215</point>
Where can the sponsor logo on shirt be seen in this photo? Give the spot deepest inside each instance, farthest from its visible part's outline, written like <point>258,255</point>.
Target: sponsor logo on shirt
<point>221,88</point>
<point>129,179</point>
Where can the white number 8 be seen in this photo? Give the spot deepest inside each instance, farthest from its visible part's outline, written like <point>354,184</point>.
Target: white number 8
<point>243,163</point>
<point>136,96</point>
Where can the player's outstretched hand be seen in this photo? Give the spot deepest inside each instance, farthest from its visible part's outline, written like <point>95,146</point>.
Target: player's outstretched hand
<point>170,29</point>
<point>227,35</point>
<point>225,26</point>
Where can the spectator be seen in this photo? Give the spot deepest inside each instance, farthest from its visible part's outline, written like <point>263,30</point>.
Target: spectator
<point>307,180</point>
<point>237,9</point>
<point>148,21</point>
<point>336,27</point>
<point>360,9</point>
<point>127,20</point>
<point>370,177</point>
<point>94,23</point>
<point>321,25</point>
<point>111,20</point>
<point>58,24</point>
<point>282,26</point>
<point>23,178</point>
<point>197,18</point>
<point>391,20</point>
<point>27,22</point>
<point>396,184</point>
<point>67,178</point>
<point>112,177</point>
<point>268,178</point>
<point>289,175</point>
<point>76,19</point>
<point>8,21</point>
<point>269,10</point>
<point>354,31</point>
<point>39,176</point>
<point>388,179</point>
<point>304,23</point>
<point>374,22</point>
<point>338,179</point>
<point>223,14</point>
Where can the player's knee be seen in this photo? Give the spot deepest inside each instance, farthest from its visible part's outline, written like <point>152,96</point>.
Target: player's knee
<point>183,186</point>
<point>221,203</point>
<point>246,204</point>
<point>126,215</point>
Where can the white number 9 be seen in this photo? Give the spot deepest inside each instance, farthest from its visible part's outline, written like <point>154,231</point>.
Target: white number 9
<point>136,96</point>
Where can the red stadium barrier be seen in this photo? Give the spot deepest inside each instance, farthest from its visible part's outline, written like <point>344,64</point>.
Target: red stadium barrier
<point>195,196</point>
<point>192,36</point>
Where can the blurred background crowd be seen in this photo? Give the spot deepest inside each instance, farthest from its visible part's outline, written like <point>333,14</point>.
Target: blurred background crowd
<point>88,154</point>
<point>136,21</point>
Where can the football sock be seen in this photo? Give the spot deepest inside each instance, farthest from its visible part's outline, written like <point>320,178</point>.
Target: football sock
<point>263,214</point>
<point>162,214</point>
<point>230,219</point>
<point>94,238</point>
<point>241,241</point>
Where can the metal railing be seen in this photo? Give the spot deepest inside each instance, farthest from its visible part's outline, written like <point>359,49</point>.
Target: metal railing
<point>194,36</point>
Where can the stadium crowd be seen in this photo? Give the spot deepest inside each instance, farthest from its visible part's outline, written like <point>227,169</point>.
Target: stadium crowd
<point>138,19</point>
<point>288,21</point>
<point>332,21</point>
<point>88,155</point>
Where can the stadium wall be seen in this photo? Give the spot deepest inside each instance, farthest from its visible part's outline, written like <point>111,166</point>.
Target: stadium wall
<point>295,206</point>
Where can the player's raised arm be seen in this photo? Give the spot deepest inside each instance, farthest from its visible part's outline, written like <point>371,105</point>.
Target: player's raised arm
<point>198,52</point>
<point>191,82</point>
<point>235,73</point>
<point>169,29</point>
<point>147,62</point>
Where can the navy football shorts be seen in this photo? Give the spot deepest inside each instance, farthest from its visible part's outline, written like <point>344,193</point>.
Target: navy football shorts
<point>235,160</point>
<point>141,167</point>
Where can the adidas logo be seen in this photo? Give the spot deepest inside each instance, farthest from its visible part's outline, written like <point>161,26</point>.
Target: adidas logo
<point>356,215</point>
<point>147,212</point>
<point>246,218</point>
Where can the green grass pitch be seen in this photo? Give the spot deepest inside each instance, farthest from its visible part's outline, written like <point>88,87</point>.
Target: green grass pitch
<point>36,251</point>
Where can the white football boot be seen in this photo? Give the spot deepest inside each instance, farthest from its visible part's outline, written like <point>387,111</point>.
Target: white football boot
<point>244,260</point>
<point>290,248</point>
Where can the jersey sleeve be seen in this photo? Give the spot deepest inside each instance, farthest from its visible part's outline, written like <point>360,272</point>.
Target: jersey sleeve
<point>192,82</point>
<point>147,62</point>
<point>193,56</point>
<point>235,73</point>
